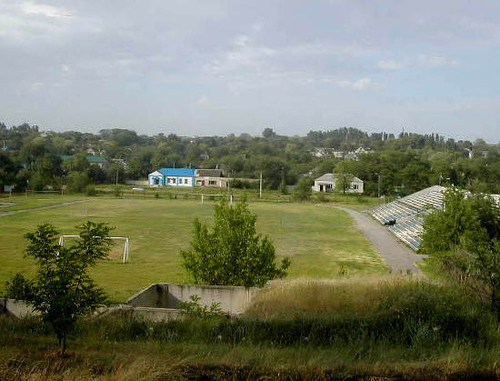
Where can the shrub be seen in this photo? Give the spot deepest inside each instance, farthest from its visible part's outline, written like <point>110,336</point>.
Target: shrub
<point>231,253</point>
<point>62,289</point>
<point>90,190</point>
<point>77,181</point>
<point>194,309</point>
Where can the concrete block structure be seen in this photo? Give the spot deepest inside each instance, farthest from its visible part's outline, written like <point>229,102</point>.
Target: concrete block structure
<point>232,300</point>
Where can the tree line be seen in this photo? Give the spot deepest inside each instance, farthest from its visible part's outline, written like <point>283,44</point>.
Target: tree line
<point>395,165</point>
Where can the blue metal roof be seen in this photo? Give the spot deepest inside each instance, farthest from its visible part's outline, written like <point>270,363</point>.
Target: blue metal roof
<point>185,172</point>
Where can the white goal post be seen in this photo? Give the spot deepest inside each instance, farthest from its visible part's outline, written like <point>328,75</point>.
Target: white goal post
<point>126,248</point>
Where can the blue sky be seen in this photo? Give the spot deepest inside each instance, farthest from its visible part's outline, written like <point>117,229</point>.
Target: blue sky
<point>219,67</point>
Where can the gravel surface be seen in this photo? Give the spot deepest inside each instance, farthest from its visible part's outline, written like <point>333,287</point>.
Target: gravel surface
<point>397,256</point>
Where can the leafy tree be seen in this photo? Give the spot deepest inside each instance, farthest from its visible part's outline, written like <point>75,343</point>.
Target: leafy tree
<point>78,181</point>
<point>231,252</point>
<point>62,290</point>
<point>343,176</point>
<point>466,237</point>
<point>303,190</point>
<point>268,132</point>
<point>8,170</point>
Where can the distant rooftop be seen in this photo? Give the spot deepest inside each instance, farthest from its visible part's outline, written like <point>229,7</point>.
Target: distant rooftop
<point>210,172</point>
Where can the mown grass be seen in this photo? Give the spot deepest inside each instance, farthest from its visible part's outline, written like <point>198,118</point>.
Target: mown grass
<point>391,327</point>
<point>20,201</point>
<point>320,240</point>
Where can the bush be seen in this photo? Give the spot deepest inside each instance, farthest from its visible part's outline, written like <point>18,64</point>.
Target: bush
<point>62,289</point>
<point>118,191</point>
<point>321,197</point>
<point>231,253</point>
<point>194,309</point>
<point>77,181</point>
<point>243,184</point>
<point>90,190</point>
<point>303,190</point>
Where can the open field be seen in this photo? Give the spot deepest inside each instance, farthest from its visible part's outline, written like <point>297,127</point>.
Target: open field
<point>18,201</point>
<point>320,240</point>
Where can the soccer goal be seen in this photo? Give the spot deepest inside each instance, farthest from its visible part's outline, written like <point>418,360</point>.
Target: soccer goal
<point>126,246</point>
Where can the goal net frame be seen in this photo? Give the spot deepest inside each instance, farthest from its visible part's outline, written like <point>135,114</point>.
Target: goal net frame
<point>126,248</point>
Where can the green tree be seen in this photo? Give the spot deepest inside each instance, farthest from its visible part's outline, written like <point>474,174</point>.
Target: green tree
<point>62,289</point>
<point>303,190</point>
<point>231,252</point>
<point>78,181</point>
<point>343,176</point>
<point>465,237</point>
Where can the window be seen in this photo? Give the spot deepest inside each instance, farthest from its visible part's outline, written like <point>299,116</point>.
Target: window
<point>185,181</point>
<point>355,186</point>
<point>212,182</point>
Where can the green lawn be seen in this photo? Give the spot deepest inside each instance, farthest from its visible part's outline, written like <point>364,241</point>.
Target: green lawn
<point>317,238</point>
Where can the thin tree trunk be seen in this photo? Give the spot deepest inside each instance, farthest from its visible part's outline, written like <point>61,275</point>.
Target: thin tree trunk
<point>64,344</point>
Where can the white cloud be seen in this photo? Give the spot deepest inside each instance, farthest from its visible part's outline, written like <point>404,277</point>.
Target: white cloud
<point>436,61</point>
<point>420,61</point>
<point>324,49</point>
<point>44,10</point>
<point>243,55</point>
<point>359,84</point>
<point>391,65</point>
<point>29,21</point>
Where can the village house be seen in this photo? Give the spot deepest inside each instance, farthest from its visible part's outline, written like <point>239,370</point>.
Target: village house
<point>339,154</point>
<point>173,177</point>
<point>211,178</point>
<point>328,181</point>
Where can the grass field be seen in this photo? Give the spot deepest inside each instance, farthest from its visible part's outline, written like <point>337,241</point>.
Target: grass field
<point>319,239</point>
<point>18,202</point>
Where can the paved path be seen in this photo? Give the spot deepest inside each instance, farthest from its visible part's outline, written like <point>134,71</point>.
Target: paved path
<point>3,214</point>
<point>396,255</point>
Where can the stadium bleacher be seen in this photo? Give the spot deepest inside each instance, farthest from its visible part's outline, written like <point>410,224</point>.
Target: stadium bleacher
<point>404,216</point>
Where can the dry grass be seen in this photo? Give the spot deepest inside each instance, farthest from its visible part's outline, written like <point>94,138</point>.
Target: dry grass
<point>222,362</point>
<point>290,298</point>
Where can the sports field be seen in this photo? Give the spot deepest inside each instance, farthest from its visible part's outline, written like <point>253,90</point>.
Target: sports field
<point>319,239</point>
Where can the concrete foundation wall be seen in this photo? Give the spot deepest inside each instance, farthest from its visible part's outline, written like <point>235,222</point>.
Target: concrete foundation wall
<point>159,302</point>
<point>15,308</point>
<point>232,300</point>
<point>144,313</point>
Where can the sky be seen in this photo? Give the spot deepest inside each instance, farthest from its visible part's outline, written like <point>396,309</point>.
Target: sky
<point>214,67</point>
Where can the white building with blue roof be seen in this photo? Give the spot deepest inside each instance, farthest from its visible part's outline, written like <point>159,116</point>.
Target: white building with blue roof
<point>173,177</point>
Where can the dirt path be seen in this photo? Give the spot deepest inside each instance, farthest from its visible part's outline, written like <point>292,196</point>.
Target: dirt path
<point>3,214</point>
<point>396,255</point>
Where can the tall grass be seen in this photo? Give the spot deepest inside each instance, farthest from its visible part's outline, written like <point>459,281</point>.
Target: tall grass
<point>391,327</point>
<point>362,317</point>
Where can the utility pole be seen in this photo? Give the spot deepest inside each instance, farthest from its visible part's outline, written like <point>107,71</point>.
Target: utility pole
<point>260,185</point>
<point>378,185</point>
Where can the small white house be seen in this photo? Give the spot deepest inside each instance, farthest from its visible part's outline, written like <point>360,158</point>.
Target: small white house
<point>173,177</point>
<point>327,182</point>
